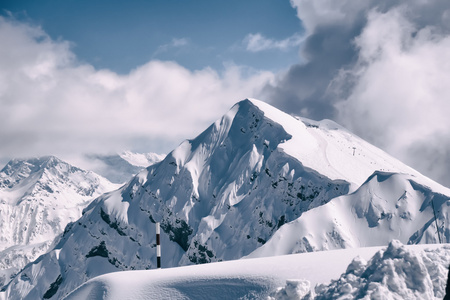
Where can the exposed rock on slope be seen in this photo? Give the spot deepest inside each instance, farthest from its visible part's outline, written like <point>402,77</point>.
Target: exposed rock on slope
<point>387,206</point>
<point>38,198</point>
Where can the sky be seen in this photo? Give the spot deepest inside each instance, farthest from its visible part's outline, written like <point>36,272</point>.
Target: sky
<point>103,76</point>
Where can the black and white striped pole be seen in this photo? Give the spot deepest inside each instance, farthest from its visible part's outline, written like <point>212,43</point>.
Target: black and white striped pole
<point>158,246</point>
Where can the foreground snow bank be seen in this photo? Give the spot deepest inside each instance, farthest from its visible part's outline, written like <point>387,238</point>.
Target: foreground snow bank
<point>397,272</point>
<point>253,278</point>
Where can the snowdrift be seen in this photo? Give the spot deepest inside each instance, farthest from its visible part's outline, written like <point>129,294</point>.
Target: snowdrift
<point>395,272</point>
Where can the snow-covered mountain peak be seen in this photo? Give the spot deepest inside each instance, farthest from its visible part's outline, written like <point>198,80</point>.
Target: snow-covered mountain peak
<point>257,178</point>
<point>218,197</point>
<point>48,182</point>
<point>45,175</point>
<point>38,198</point>
<point>325,124</point>
<point>329,148</point>
<point>17,169</point>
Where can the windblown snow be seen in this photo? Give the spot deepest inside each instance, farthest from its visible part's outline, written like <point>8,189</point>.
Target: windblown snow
<point>256,183</point>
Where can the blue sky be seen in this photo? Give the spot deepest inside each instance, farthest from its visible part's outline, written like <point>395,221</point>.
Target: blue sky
<point>101,76</point>
<point>122,35</point>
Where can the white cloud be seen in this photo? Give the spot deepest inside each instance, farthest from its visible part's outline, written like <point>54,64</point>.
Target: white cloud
<point>52,104</point>
<point>257,42</point>
<point>399,97</point>
<point>174,44</point>
<point>315,13</point>
<point>390,75</point>
<point>179,42</point>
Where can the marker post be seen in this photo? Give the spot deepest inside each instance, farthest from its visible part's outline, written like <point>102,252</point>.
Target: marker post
<point>158,246</point>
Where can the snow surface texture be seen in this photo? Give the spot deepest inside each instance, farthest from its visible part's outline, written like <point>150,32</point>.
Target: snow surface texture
<point>38,197</point>
<point>396,272</point>
<point>387,206</point>
<point>120,168</point>
<point>230,191</point>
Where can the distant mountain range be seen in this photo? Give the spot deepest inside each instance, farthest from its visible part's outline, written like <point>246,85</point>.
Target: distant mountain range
<point>257,182</point>
<point>119,168</point>
<point>40,196</point>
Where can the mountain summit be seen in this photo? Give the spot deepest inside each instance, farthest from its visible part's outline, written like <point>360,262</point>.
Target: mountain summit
<point>220,196</point>
<point>38,197</point>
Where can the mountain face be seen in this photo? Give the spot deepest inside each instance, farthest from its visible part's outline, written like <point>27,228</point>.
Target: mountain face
<point>120,168</point>
<point>227,193</point>
<point>38,198</point>
<point>387,206</point>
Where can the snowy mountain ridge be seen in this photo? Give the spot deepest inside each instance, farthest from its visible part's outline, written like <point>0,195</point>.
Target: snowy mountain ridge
<point>38,198</point>
<point>335,152</point>
<point>387,206</point>
<point>224,195</point>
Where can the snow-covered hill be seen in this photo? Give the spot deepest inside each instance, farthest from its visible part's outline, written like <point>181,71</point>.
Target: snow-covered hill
<point>38,198</point>
<point>221,196</point>
<point>120,168</point>
<point>387,206</point>
<point>366,272</point>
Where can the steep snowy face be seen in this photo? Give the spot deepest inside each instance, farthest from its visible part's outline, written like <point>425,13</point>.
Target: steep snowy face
<point>333,151</point>
<point>387,206</point>
<point>38,197</point>
<point>226,192</point>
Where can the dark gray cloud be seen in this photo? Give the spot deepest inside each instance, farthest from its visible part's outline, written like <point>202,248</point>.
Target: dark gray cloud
<point>379,68</point>
<point>303,89</point>
<point>431,159</point>
<point>329,48</point>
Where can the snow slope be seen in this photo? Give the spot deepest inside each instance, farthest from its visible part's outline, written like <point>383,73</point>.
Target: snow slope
<point>220,196</point>
<point>387,206</point>
<point>38,197</point>
<point>334,152</point>
<point>423,276</point>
